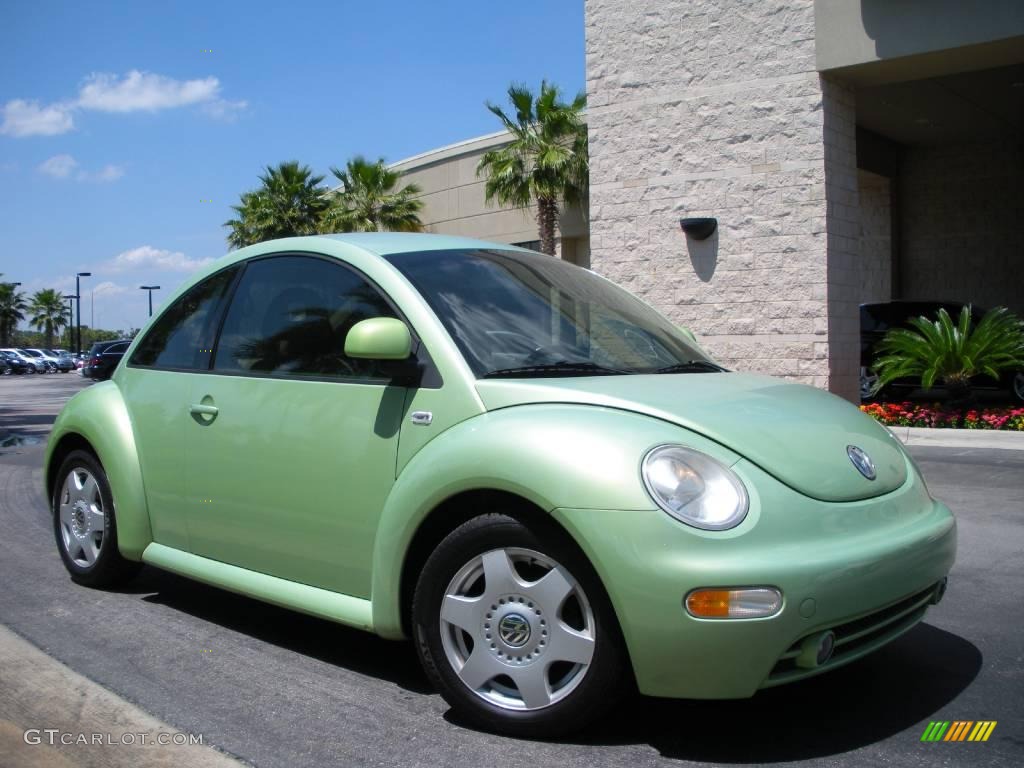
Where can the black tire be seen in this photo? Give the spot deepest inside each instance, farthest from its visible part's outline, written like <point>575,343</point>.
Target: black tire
<point>109,568</point>
<point>600,686</point>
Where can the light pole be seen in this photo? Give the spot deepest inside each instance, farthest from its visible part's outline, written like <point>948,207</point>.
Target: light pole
<point>71,321</point>
<point>150,288</point>
<point>78,316</point>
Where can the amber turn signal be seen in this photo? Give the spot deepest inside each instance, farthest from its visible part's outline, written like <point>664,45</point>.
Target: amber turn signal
<point>736,603</point>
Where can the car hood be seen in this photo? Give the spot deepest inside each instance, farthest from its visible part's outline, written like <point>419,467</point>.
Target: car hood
<point>796,433</point>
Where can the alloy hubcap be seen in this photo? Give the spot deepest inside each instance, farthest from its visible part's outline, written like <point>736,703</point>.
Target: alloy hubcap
<point>517,629</point>
<point>82,519</point>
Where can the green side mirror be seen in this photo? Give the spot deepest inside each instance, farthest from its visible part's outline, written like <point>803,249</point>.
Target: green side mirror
<point>379,338</point>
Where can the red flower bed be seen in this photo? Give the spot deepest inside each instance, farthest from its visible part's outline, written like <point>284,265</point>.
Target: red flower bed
<point>908,414</point>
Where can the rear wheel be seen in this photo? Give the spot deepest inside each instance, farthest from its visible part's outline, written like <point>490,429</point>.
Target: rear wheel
<point>514,628</point>
<point>1018,386</point>
<point>84,524</point>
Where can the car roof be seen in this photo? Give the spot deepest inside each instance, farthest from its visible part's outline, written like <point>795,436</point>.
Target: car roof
<point>375,243</point>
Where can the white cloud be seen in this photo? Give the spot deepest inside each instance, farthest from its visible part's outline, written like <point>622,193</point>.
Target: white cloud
<point>108,288</point>
<point>59,166</point>
<point>144,91</point>
<point>28,118</point>
<point>104,174</point>
<point>224,110</point>
<point>148,257</point>
<point>63,166</point>
<point>136,91</point>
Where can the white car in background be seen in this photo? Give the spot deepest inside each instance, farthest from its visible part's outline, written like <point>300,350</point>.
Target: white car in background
<point>48,360</point>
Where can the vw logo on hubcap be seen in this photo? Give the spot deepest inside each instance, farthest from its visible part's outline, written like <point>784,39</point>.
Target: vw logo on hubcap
<point>514,630</point>
<point>861,461</point>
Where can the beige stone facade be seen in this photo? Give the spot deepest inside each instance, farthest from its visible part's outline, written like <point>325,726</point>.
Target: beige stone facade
<point>851,152</point>
<point>749,113</point>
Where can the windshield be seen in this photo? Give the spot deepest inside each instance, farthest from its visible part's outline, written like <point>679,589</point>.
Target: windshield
<point>526,314</point>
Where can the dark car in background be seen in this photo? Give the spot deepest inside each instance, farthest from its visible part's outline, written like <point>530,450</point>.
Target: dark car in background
<point>103,358</point>
<point>878,318</point>
<point>12,363</point>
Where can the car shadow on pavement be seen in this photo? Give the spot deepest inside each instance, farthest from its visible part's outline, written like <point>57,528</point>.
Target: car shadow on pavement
<point>323,640</point>
<point>895,689</point>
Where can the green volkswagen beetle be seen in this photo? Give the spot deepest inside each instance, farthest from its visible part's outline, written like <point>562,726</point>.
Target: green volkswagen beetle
<point>553,491</point>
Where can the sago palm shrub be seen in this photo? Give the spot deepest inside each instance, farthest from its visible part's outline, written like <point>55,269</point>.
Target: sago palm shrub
<point>952,353</point>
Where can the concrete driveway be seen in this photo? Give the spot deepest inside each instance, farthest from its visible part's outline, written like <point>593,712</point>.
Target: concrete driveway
<point>281,689</point>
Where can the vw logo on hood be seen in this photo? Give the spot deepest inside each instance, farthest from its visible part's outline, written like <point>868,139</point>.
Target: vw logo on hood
<point>861,461</point>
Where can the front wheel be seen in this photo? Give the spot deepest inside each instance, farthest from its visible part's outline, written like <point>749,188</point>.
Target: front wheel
<point>515,630</point>
<point>84,524</point>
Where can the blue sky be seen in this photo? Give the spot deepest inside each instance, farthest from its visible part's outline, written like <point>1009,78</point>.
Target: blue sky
<point>118,120</point>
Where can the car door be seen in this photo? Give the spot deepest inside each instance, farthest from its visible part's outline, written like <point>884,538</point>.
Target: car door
<point>155,385</point>
<point>291,446</point>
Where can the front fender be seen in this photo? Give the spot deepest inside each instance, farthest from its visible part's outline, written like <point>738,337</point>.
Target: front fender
<point>98,415</point>
<point>554,455</point>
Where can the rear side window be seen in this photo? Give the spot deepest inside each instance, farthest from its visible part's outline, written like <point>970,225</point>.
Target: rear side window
<point>290,316</point>
<point>118,349</point>
<point>183,336</point>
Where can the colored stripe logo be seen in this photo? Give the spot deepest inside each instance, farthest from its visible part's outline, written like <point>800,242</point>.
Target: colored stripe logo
<point>959,730</point>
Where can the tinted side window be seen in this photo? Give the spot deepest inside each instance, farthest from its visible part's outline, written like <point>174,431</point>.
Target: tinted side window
<point>116,349</point>
<point>290,315</point>
<point>183,336</point>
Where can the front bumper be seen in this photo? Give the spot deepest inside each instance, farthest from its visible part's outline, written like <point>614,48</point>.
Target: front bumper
<point>862,567</point>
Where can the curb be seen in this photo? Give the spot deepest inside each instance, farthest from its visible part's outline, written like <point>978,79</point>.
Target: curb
<point>42,693</point>
<point>960,438</point>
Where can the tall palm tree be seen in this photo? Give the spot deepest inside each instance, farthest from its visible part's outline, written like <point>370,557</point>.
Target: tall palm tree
<point>48,314</point>
<point>368,200</point>
<point>288,202</point>
<point>545,161</point>
<point>12,311</point>
<point>952,352</point>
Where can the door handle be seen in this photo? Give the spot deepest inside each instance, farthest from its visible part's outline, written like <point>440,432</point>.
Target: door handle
<point>199,409</point>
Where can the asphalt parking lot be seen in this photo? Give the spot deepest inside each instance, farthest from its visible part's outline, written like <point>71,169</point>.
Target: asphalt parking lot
<point>282,689</point>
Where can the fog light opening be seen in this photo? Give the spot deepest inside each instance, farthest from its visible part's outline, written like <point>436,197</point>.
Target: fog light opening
<point>816,650</point>
<point>940,591</point>
<point>733,603</point>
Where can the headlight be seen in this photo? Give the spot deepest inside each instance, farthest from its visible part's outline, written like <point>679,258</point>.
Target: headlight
<point>694,488</point>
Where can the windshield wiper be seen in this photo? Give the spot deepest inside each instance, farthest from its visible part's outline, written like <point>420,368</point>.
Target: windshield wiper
<point>691,366</point>
<point>561,368</point>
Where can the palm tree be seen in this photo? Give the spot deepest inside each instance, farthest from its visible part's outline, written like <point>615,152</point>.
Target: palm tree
<point>953,353</point>
<point>12,309</point>
<point>546,160</point>
<point>288,202</point>
<point>368,200</point>
<point>48,314</point>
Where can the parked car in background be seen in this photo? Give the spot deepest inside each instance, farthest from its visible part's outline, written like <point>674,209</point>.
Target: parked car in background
<point>876,319</point>
<point>64,361</point>
<point>12,363</point>
<point>38,364</point>
<point>38,354</point>
<point>103,358</point>
<point>536,477</point>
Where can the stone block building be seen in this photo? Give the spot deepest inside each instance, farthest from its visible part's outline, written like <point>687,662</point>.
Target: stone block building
<point>851,151</point>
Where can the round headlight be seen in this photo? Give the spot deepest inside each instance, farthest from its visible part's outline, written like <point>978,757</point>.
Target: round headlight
<point>694,488</point>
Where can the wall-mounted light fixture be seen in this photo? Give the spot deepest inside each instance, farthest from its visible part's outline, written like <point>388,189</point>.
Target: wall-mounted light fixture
<point>699,229</point>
